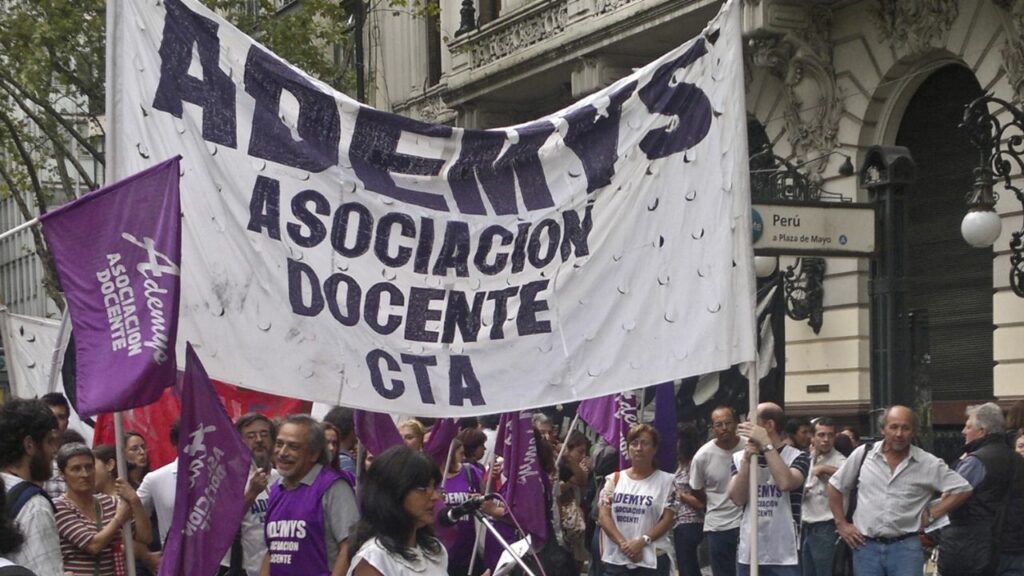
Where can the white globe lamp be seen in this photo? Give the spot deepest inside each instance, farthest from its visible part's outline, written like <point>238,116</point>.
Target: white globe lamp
<point>764,266</point>
<point>981,228</point>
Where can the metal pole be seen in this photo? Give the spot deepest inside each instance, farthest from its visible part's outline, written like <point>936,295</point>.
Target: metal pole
<point>122,472</point>
<point>561,451</point>
<point>751,373</point>
<point>112,155</point>
<point>19,228</point>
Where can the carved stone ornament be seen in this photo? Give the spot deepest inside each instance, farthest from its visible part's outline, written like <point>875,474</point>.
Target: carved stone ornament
<point>520,34</point>
<point>428,108</point>
<point>1013,49</point>
<point>914,26</point>
<point>605,6</point>
<point>802,60</point>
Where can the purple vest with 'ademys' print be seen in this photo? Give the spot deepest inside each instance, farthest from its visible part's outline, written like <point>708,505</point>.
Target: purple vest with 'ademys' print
<point>295,531</point>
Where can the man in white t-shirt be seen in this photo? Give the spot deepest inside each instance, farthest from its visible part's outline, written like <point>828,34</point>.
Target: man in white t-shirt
<point>781,472</point>
<point>709,478</point>
<point>247,552</point>
<point>157,493</point>
<point>818,536</point>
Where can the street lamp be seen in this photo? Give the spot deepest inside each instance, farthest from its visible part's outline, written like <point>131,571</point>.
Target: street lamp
<point>1001,151</point>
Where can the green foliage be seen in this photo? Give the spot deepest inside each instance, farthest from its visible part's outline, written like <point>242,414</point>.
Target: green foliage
<point>303,32</point>
<point>52,75</point>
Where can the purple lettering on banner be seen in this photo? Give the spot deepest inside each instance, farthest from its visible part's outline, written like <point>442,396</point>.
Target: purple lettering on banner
<point>419,369</point>
<point>462,382</point>
<point>686,103</point>
<point>318,125</point>
<point>117,251</point>
<point>487,245</point>
<point>213,467</point>
<point>364,229</point>
<point>373,362</point>
<point>300,209</point>
<point>595,138</point>
<point>297,271</point>
<point>215,93</point>
<point>265,207</point>
<point>455,250</point>
<point>381,246</point>
<point>374,156</point>
<point>373,306</point>
<point>479,160</point>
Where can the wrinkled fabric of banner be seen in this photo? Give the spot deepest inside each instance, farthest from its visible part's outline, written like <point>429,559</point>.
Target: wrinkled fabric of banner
<point>336,253</point>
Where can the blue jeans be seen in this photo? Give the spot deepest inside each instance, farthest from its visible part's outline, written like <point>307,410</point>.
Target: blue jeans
<point>687,539</point>
<point>722,549</point>
<point>1011,565</point>
<point>819,543</point>
<point>769,570</point>
<point>901,558</point>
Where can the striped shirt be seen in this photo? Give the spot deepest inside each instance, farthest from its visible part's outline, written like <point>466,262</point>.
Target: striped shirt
<point>890,502</point>
<point>41,551</point>
<point>685,514</point>
<point>77,530</point>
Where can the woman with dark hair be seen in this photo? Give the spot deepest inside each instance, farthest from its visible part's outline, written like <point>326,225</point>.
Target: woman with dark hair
<point>89,524</point>
<point>397,497</point>
<point>333,443</point>
<point>574,478</point>
<point>688,530</point>
<point>473,441</point>
<point>636,514</point>
<point>106,469</point>
<point>10,541</point>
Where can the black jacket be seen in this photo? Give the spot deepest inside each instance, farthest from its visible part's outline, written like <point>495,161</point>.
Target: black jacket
<point>992,520</point>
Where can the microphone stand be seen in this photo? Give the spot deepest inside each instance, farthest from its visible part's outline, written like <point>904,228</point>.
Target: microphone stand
<point>504,544</point>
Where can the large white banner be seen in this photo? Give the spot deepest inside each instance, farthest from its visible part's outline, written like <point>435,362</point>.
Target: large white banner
<point>337,253</point>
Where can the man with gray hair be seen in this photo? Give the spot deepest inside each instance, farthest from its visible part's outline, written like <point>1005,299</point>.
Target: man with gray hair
<point>895,484</point>
<point>986,534</point>
<point>312,511</point>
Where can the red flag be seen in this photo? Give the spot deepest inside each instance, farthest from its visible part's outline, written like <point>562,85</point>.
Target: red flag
<point>154,421</point>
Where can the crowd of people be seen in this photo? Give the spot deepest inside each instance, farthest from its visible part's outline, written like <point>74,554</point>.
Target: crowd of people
<point>316,504</point>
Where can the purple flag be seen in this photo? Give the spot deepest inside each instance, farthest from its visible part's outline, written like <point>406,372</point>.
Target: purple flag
<point>611,416</point>
<point>378,433</point>
<point>666,423</point>
<point>441,435</point>
<point>213,468</point>
<point>523,487</point>
<point>117,252</point>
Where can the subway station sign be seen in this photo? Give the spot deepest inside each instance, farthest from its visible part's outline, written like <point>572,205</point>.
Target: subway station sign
<point>814,229</point>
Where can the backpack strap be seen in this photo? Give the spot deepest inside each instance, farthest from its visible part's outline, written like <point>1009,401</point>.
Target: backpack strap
<point>856,485</point>
<point>20,494</point>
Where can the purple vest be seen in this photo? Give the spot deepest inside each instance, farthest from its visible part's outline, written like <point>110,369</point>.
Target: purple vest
<point>459,539</point>
<point>295,531</point>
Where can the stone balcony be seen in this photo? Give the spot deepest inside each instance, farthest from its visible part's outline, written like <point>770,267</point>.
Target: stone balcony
<point>549,52</point>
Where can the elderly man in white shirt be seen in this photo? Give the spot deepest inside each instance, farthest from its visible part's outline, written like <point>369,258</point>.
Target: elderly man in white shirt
<point>895,486</point>
<point>818,535</point>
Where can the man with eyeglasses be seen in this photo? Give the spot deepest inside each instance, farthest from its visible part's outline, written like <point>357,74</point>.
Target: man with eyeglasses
<point>709,477</point>
<point>311,512</point>
<point>246,554</point>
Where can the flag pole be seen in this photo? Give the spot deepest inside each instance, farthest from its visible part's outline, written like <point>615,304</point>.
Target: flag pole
<point>18,228</point>
<point>561,451</point>
<point>111,173</point>
<point>57,359</point>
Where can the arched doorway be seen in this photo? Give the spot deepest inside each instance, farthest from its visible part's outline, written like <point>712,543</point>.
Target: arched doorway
<point>949,284</point>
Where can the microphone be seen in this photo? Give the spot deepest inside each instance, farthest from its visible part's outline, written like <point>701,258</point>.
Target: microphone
<point>451,515</point>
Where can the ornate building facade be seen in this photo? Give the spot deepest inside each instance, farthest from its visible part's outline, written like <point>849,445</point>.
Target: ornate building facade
<point>825,79</point>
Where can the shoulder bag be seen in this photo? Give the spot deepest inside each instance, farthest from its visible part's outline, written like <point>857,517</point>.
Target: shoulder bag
<point>842,558</point>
